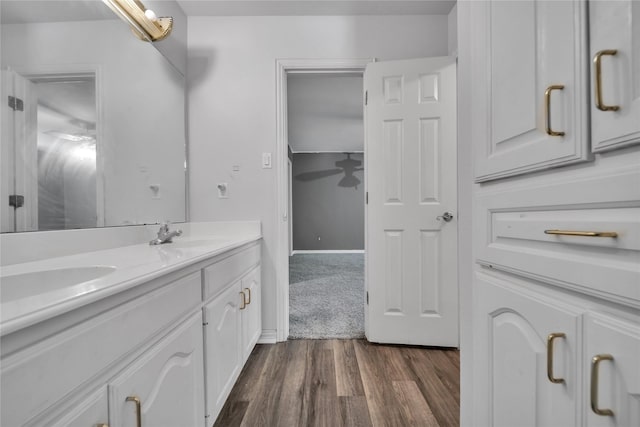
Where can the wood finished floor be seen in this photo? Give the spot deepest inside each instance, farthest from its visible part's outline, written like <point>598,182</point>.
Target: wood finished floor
<point>333,383</point>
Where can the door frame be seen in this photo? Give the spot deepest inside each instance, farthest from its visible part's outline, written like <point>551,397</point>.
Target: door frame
<point>284,67</point>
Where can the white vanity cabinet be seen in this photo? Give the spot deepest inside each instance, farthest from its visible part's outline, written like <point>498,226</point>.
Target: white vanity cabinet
<point>46,369</point>
<point>170,347</point>
<point>614,34</point>
<point>232,318</point>
<point>166,383</point>
<point>530,86</point>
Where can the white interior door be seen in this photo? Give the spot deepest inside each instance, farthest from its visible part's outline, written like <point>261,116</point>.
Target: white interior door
<point>26,153</point>
<point>411,251</point>
<point>7,156</point>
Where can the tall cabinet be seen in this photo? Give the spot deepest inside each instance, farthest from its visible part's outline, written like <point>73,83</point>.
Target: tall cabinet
<point>556,210</point>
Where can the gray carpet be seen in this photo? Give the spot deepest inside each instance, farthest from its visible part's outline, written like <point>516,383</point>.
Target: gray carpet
<point>326,296</point>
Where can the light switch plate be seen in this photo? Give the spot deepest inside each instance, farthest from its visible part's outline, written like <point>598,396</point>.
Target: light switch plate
<point>266,160</point>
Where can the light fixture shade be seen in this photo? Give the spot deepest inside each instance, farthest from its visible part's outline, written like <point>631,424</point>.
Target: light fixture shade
<point>133,12</point>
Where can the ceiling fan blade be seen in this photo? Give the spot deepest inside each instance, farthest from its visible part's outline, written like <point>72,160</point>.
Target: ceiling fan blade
<point>311,176</point>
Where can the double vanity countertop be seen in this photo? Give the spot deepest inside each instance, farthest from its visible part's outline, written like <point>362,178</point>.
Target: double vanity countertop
<point>36,290</point>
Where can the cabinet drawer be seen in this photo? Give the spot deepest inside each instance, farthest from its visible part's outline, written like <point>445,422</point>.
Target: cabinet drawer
<point>221,274</point>
<point>38,376</point>
<point>512,235</point>
<point>520,241</point>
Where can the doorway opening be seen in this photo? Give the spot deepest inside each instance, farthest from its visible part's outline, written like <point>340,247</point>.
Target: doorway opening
<point>326,157</point>
<point>321,166</point>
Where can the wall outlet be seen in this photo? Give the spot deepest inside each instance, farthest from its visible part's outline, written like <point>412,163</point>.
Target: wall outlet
<point>266,160</point>
<point>223,190</point>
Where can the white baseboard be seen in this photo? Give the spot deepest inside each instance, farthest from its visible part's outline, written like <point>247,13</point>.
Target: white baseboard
<point>268,336</point>
<point>350,251</point>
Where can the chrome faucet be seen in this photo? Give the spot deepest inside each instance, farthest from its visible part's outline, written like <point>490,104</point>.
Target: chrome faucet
<point>164,235</point>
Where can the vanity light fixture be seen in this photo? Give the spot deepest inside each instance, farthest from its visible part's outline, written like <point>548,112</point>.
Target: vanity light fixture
<point>144,22</point>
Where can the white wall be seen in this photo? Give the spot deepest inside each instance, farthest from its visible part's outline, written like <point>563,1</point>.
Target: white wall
<point>325,112</point>
<point>232,100</point>
<point>453,31</point>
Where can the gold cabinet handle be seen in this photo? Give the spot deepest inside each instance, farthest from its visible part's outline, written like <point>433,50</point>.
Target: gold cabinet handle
<point>102,425</point>
<point>595,362</point>
<point>249,298</point>
<point>550,340</point>
<point>597,61</point>
<point>547,107</point>
<point>136,400</point>
<point>243,300</point>
<point>582,233</point>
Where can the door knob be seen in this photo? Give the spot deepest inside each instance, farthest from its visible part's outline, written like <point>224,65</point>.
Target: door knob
<point>446,217</point>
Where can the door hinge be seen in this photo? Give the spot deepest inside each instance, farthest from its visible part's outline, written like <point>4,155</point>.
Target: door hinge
<point>366,198</point>
<point>366,97</point>
<point>16,104</point>
<point>367,297</point>
<point>16,200</point>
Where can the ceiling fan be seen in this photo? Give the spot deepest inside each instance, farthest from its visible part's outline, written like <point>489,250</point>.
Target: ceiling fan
<point>347,166</point>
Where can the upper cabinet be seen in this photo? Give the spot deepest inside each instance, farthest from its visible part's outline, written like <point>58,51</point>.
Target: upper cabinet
<point>615,89</point>
<point>530,94</point>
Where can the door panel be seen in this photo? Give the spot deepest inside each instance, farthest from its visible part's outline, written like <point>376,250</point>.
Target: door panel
<point>411,182</point>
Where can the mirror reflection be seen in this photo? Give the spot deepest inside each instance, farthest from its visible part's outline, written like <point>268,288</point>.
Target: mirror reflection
<point>93,131</point>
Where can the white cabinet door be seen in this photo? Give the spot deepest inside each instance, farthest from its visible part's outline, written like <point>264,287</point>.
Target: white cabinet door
<point>529,58</point>
<point>512,353</point>
<point>223,347</point>
<point>252,314</point>
<point>615,44</point>
<point>91,412</point>
<point>167,380</point>
<point>614,383</point>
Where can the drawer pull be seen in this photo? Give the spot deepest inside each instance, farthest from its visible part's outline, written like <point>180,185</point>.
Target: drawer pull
<point>547,107</point>
<point>597,62</point>
<point>102,425</point>
<point>243,300</point>
<point>136,400</point>
<point>595,362</point>
<point>249,298</point>
<point>550,340</point>
<point>582,233</point>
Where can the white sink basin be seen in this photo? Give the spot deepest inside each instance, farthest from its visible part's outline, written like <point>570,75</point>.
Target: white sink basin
<point>28,284</point>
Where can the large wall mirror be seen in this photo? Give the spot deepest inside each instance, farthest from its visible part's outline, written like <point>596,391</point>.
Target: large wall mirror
<point>93,121</point>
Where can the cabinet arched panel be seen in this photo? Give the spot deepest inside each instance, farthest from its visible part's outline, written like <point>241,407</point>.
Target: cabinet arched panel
<point>168,381</point>
<point>510,356</point>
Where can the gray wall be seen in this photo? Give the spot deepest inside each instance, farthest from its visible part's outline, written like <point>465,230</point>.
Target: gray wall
<point>328,204</point>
